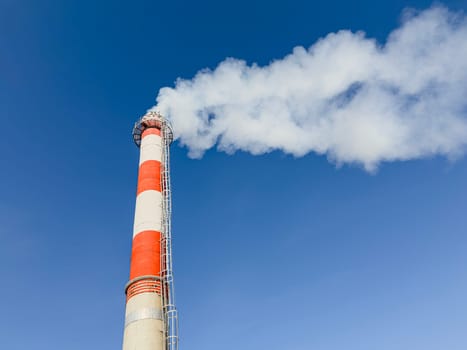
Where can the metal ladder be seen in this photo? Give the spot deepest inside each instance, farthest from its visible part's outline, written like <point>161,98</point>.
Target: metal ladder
<point>168,294</point>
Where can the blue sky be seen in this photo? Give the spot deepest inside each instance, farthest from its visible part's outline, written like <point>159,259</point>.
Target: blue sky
<point>271,252</point>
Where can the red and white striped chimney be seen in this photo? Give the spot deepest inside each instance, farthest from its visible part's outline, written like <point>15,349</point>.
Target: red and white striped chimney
<point>144,318</point>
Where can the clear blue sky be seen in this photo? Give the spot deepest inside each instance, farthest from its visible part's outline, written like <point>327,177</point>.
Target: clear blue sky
<point>271,252</point>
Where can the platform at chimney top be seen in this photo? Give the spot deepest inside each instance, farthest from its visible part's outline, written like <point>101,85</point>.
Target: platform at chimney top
<point>152,119</point>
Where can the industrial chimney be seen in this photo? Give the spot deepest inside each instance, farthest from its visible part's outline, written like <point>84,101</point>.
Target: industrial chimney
<point>151,316</point>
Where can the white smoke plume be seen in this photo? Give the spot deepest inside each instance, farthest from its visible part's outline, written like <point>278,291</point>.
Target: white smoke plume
<point>347,96</point>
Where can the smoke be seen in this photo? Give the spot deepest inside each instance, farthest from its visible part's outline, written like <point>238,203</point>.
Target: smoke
<point>347,96</point>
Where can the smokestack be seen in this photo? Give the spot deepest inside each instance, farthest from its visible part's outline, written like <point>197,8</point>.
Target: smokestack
<point>151,316</point>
